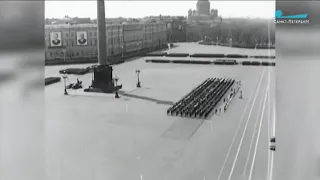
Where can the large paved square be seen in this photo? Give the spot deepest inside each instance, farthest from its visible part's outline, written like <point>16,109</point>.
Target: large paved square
<point>95,136</point>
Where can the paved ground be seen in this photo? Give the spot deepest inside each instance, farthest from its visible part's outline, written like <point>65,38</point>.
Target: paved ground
<point>99,137</point>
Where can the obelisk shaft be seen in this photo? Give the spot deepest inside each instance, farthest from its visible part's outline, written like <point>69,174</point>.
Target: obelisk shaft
<point>102,46</point>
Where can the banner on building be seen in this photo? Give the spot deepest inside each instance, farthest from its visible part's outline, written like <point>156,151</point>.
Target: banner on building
<point>55,39</point>
<point>82,38</point>
<point>169,26</point>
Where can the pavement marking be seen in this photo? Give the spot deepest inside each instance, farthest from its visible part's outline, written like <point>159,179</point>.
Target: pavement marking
<point>237,131</point>
<point>274,135</point>
<point>271,166</point>
<point>245,128</point>
<point>268,123</point>
<point>274,118</point>
<point>269,113</point>
<point>252,138</point>
<point>259,132</point>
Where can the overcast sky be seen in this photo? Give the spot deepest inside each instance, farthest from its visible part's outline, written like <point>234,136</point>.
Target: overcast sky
<point>135,9</point>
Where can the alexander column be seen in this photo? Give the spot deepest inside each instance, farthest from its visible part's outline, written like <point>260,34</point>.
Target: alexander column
<point>102,46</point>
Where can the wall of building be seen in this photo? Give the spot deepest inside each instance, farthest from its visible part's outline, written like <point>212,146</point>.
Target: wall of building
<point>121,40</point>
<point>177,31</point>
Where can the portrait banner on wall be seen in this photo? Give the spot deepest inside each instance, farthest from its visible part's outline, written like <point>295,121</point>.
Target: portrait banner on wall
<point>169,25</point>
<point>55,39</point>
<point>82,38</point>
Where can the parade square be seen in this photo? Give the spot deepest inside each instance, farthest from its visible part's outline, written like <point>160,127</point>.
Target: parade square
<point>97,133</point>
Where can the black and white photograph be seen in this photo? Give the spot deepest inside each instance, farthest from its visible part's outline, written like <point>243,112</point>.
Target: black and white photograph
<point>82,38</point>
<point>189,95</point>
<point>159,90</point>
<point>55,39</point>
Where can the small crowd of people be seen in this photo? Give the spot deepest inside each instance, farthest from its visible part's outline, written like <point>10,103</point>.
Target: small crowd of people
<point>77,85</point>
<point>227,99</point>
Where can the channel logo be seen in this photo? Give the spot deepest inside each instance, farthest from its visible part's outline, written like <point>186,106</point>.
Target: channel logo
<point>291,19</point>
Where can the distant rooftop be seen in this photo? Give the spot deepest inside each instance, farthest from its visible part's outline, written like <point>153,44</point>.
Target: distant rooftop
<point>93,25</point>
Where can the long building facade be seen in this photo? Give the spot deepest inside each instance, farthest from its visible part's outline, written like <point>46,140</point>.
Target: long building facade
<point>78,42</point>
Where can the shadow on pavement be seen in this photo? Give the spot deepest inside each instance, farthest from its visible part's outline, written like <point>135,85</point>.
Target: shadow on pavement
<point>146,98</point>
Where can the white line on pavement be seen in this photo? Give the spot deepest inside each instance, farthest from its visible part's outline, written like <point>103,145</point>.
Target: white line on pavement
<point>252,138</point>
<point>274,118</point>
<point>271,166</point>
<point>269,119</point>
<point>258,136</point>
<point>245,128</point>
<point>274,135</point>
<point>238,128</point>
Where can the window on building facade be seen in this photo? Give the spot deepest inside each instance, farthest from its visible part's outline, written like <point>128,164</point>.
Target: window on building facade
<point>67,34</point>
<point>95,33</point>
<point>72,43</point>
<point>71,34</point>
<point>72,54</point>
<point>77,54</point>
<point>90,33</point>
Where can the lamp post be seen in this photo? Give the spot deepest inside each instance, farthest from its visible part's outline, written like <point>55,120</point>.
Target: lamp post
<point>65,85</point>
<point>138,75</point>
<point>92,75</point>
<point>122,51</point>
<point>64,54</point>
<point>217,39</point>
<point>116,80</point>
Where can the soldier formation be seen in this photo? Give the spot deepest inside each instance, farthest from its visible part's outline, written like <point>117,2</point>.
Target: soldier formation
<point>201,101</point>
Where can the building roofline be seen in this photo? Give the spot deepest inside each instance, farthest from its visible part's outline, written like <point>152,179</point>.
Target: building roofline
<point>59,26</point>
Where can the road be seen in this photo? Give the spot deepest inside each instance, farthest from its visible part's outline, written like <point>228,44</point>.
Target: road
<point>248,155</point>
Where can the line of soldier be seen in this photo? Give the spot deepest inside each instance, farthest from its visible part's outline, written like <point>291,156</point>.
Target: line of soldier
<point>202,100</point>
<point>234,91</point>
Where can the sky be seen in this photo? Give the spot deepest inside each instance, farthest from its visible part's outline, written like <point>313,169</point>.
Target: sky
<point>136,9</point>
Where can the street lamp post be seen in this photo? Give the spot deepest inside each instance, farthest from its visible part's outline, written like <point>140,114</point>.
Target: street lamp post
<point>116,80</point>
<point>64,54</point>
<point>122,52</point>
<point>65,84</point>
<point>92,75</point>
<point>138,75</point>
